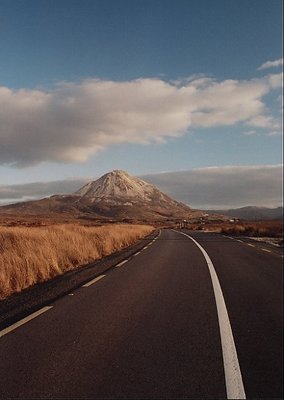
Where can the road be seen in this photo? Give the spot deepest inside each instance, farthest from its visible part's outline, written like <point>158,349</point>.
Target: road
<point>150,328</point>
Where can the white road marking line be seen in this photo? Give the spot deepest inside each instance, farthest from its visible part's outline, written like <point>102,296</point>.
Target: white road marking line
<point>238,240</point>
<point>233,376</point>
<point>136,254</point>
<point>268,251</point>
<point>93,281</point>
<point>121,263</point>
<point>24,320</point>
<point>251,245</point>
<point>230,237</point>
<point>70,294</point>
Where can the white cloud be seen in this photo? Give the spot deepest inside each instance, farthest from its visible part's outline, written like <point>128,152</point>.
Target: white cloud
<point>271,64</point>
<point>276,80</point>
<point>266,122</point>
<point>249,133</point>
<point>275,133</point>
<point>74,121</point>
<point>261,121</point>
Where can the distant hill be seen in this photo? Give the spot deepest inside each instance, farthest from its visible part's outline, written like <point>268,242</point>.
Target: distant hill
<point>251,213</point>
<point>116,195</point>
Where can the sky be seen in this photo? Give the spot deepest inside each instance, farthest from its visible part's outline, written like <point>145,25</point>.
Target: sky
<point>184,93</point>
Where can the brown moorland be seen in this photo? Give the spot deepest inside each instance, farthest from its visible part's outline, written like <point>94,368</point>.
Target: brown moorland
<point>33,254</point>
<point>273,228</point>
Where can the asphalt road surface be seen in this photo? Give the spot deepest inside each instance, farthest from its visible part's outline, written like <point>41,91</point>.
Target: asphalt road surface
<point>159,325</point>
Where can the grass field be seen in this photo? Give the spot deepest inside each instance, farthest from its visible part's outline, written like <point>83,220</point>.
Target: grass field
<point>273,228</point>
<point>259,228</point>
<point>29,255</point>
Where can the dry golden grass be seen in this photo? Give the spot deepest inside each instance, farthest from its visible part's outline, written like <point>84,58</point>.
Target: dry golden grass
<point>29,255</point>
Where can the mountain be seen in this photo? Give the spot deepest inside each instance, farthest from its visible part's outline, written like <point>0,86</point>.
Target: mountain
<point>251,213</point>
<point>118,187</point>
<point>116,195</point>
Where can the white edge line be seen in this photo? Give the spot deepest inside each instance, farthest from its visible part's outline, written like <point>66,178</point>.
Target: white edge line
<point>24,320</point>
<point>136,254</point>
<point>233,376</point>
<point>93,281</point>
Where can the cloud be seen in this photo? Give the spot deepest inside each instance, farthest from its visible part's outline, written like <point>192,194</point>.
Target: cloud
<point>262,121</point>
<point>250,133</point>
<point>271,64</point>
<point>223,187</point>
<point>275,133</point>
<point>37,190</point>
<point>212,187</point>
<point>72,122</point>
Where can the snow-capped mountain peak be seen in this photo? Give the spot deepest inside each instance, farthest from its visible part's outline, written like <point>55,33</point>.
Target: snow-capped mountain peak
<point>115,196</point>
<point>118,185</point>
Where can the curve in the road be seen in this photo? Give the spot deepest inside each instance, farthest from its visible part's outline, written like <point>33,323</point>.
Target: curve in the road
<point>150,329</point>
<point>233,377</point>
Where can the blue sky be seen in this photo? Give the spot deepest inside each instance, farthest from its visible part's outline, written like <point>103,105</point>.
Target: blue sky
<point>145,86</point>
<point>46,41</point>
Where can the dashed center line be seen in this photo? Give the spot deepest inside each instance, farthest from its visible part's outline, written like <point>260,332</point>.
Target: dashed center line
<point>121,263</point>
<point>24,320</point>
<point>94,281</point>
<point>268,251</point>
<point>251,245</point>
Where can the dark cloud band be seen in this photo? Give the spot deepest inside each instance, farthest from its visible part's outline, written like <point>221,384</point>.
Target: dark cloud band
<point>215,187</point>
